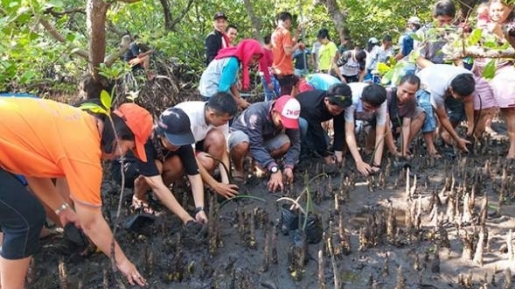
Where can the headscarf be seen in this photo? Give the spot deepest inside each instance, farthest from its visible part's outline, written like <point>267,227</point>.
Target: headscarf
<point>243,52</point>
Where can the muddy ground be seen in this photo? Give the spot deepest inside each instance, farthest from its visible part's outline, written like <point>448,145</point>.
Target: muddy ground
<point>372,227</point>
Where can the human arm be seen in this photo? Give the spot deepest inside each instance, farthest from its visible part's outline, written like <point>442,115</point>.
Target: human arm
<point>468,103</point>
<point>242,103</point>
<point>390,143</point>
<point>379,145</point>
<point>197,189</point>
<point>406,130</point>
<point>47,192</point>
<point>292,156</point>
<point>350,138</point>
<point>446,124</point>
<point>96,228</point>
<point>225,190</point>
<point>212,47</point>
<point>339,137</point>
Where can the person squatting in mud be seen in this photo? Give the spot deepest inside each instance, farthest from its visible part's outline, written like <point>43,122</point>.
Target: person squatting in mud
<point>268,131</point>
<point>169,156</point>
<point>448,91</point>
<point>368,105</point>
<point>316,107</point>
<point>404,117</point>
<point>52,140</point>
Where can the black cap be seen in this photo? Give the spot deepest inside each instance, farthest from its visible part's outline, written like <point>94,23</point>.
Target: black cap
<point>342,101</point>
<point>220,15</point>
<point>175,125</point>
<point>340,94</point>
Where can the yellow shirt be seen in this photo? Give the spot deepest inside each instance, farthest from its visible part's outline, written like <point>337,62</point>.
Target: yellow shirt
<point>326,55</point>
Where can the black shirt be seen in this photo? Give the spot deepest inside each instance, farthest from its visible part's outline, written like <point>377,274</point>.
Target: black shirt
<point>214,42</point>
<point>314,111</point>
<point>149,168</point>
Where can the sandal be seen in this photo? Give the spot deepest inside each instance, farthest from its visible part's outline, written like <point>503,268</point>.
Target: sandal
<point>142,206</point>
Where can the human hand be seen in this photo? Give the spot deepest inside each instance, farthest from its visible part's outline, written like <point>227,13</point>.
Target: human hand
<point>201,217</point>
<point>226,190</point>
<point>364,168</point>
<point>271,86</point>
<point>288,175</point>
<point>131,273</point>
<point>462,144</point>
<point>239,85</point>
<point>342,79</point>
<point>330,159</point>
<point>243,104</point>
<point>275,182</point>
<point>135,61</point>
<point>69,216</point>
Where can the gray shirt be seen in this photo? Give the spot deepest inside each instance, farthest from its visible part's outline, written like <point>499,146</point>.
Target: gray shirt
<point>256,122</point>
<point>436,79</point>
<point>210,78</point>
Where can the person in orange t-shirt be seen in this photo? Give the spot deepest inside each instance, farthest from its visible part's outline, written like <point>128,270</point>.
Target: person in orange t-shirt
<point>43,139</point>
<point>283,47</point>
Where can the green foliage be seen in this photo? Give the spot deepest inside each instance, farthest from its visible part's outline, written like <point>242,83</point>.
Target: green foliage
<point>489,70</point>
<point>105,108</point>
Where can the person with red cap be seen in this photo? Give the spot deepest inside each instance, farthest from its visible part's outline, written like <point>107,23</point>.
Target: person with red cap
<point>268,131</point>
<point>44,140</point>
<point>222,73</point>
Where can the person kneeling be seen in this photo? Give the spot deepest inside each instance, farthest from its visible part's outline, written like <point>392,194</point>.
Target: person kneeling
<point>404,116</point>
<point>169,155</point>
<point>268,131</point>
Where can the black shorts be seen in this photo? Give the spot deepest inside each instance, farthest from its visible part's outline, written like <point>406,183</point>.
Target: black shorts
<point>21,219</point>
<point>287,82</point>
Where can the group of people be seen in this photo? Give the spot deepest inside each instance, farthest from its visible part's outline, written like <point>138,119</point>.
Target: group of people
<point>59,148</point>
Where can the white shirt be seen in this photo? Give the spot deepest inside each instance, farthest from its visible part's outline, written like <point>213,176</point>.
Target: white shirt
<point>357,106</point>
<point>196,112</point>
<point>436,79</point>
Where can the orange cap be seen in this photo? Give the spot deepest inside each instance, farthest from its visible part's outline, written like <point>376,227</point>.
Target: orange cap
<point>140,123</point>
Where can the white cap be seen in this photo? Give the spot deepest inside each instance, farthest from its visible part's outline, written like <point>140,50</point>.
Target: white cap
<point>414,20</point>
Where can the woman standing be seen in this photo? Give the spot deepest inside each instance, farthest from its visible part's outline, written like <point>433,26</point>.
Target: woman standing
<point>44,140</point>
<point>327,54</point>
<point>502,25</point>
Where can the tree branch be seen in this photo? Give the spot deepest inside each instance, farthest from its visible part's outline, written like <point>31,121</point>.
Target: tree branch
<point>480,52</point>
<point>181,15</point>
<point>51,11</point>
<point>51,29</point>
<point>256,22</point>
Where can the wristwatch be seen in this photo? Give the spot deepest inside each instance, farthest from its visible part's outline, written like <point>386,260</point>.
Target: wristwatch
<point>274,169</point>
<point>197,210</point>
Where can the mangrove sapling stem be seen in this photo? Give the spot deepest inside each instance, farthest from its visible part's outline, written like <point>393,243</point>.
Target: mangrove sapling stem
<point>242,197</point>
<point>105,109</point>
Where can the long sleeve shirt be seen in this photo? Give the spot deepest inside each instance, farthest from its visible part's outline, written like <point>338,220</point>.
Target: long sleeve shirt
<point>256,122</point>
<point>314,111</point>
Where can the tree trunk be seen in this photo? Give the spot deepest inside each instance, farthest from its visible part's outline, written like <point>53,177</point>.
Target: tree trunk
<point>339,17</point>
<point>96,26</point>
<point>167,14</point>
<point>256,22</point>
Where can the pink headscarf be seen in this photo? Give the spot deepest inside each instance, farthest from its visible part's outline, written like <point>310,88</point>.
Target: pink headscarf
<point>243,52</point>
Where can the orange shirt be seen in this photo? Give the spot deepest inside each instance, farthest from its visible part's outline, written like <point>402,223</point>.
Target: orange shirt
<point>283,63</point>
<point>48,139</point>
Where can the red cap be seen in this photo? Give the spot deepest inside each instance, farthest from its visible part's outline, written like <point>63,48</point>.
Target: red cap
<point>289,108</point>
<point>140,123</point>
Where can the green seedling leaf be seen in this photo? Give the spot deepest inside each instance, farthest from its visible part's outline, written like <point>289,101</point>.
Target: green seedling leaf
<point>489,71</point>
<point>105,98</point>
<point>474,37</point>
<point>95,108</point>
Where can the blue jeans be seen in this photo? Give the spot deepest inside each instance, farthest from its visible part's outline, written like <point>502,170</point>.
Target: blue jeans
<point>305,137</point>
<point>424,101</point>
<point>269,94</point>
